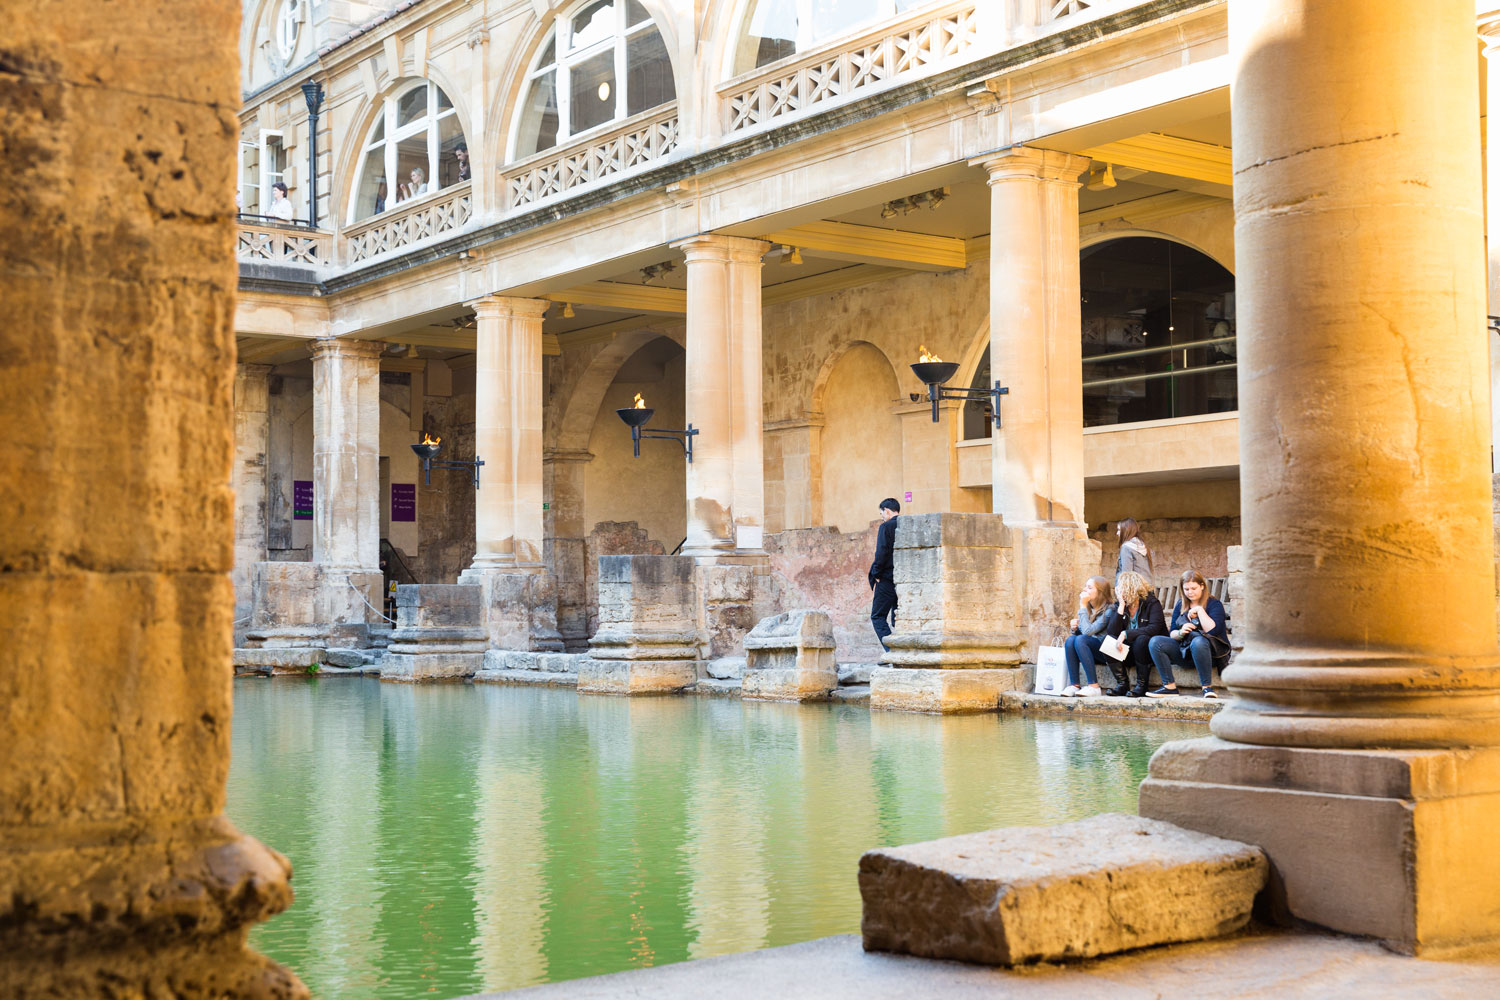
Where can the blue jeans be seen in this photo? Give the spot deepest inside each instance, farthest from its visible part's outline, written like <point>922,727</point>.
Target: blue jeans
<point>1166,651</point>
<point>1081,649</point>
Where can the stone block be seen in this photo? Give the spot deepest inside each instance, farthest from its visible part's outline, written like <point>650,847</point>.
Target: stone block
<point>648,641</point>
<point>1387,844</point>
<point>427,605</point>
<point>345,658</point>
<point>279,660</point>
<point>790,657</point>
<point>1097,886</point>
<point>304,603</point>
<point>726,668</point>
<point>634,677</point>
<point>519,608</point>
<point>854,673</point>
<point>943,692</point>
<point>439,635</point>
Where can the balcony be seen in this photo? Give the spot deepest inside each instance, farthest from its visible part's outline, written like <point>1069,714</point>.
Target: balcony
<point>409,224</point>
<point>607,155</point>
<point>263,239</point>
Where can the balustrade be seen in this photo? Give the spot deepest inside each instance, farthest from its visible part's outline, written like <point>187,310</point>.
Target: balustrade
<point>444,212</point>
<point>275,242</point>
<point>635,144</point>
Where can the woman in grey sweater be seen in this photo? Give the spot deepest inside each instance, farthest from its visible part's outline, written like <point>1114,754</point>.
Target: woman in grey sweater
<point>1088,632</point>
<point>1135,556</point>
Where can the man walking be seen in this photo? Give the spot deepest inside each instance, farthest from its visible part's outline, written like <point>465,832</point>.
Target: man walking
<point>882,577</point>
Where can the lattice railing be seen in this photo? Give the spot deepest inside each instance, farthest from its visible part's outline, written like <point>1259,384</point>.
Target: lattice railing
<point>1068,11</point>
<point>922,44</point>
<point>555,173</point>
<point>282,244</point>
<point>445,212</point>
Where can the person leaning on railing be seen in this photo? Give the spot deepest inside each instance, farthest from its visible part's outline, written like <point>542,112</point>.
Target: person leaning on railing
<point>1199,635</point>
<point>1135,620</point>
<point>1088,632</point>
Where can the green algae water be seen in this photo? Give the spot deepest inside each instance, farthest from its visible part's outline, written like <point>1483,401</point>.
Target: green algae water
<point>452,839</point>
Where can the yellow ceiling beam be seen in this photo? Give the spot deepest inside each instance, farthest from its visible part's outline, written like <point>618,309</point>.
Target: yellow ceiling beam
<point>1157,206</point>
<point>871,244</point>
<point>622,297</point>
<point>1167,154</point>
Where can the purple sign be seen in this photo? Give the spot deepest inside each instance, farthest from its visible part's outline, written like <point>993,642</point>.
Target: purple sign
<point>302,500</point>
<point>403,501</point>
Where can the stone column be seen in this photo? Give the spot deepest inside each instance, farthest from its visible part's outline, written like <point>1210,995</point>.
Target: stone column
<point>1489,32</point>
<point>1365,433</point>
<point>118,870</point>
<point>725,480</point>
<point>508,433</point>
<point>1035,337</point>
<point>251,430</point>
<point>346,453</point>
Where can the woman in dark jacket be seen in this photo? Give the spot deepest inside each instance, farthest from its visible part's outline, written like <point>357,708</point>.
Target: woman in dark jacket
<point>1135,621</point>
<point>1199,636</point>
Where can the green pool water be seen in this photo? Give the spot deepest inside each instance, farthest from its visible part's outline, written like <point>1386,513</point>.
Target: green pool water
<point>450,839</point>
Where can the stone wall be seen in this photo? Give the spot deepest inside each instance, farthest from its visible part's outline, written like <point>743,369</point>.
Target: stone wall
<point>825,569</point>
<point>1177,544</point>
<point>447,506</point>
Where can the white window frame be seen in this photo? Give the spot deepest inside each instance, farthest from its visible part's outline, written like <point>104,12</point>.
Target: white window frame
<point>805,41</point>
<point>293,13</point>
<point>565,58</point>
<point>243,182</point>
<point>391,136</point>
<point>267,177</point>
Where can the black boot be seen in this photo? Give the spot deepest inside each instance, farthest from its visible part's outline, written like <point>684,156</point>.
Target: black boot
<point>1118,691</point>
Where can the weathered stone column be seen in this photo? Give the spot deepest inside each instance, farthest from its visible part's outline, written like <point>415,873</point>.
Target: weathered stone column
<point>726,479</point>
<point>251,431</point>
<point>1365,432</point>
<point>1035,341</point>
<point>1489,33</point>
<point>118,871</point>
<point>346,453</point>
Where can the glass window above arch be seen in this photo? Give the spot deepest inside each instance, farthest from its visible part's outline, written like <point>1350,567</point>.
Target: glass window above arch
<point>1158,336</point>
<point>775,29</point>
<point>415,147</point>
<point>603,61</point>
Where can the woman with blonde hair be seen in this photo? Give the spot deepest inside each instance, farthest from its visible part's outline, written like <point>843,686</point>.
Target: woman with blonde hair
<point>1080,647</point>
<point>1198,635</point>
<point>1135,621</point>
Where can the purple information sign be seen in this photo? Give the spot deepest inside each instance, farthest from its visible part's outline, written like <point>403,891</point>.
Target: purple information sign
<point>302,500</point>
<point>403,501</point>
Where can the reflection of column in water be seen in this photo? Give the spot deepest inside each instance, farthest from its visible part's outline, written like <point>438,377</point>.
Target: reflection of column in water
<point>906,769</point>
<point>510,847</point>
<point>727,829</point>
<point>1059,754</point>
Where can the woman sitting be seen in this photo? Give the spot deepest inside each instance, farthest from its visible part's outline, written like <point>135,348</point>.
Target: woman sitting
<point>1088,633</point>
<point>1135,621</point>
<point>1199,634</point>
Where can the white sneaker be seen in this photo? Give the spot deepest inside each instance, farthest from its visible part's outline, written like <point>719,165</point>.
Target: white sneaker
<point>1090,691</point>
<point>1071,691</point>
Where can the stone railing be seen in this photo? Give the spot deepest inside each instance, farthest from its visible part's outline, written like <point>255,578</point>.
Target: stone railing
<point>1053,14</point>
<point>446,211</point>
<point>552,173</point>
<point>278,243</point>
<point>924,43</point>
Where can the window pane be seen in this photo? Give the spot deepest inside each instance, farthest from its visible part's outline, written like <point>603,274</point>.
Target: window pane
<point>649,72</point>
<point>835,17</point>
<point>411,106</point>
<point>635,13</point>
<point>549,54</point>
<point>594,23</point>
<point>411,167</point>
<point>770,34</point>
<point>592,92</point>
<point>443,104</point>
<point>539,119</point>
<point>378,132</point>
<point>372,195</point>
<point>453,165</point>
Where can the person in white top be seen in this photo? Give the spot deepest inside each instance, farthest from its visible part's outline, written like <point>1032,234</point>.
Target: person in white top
<point>281,205</point>
<point>416,188</point>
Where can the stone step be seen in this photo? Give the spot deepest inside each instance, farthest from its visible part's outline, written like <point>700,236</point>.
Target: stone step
<point>1184,708</point>
<point>1097,886</point>
<point>278,659</point>
<point>543,678</point>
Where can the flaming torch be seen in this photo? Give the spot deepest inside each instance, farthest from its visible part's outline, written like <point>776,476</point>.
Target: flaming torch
<point>933,371</point>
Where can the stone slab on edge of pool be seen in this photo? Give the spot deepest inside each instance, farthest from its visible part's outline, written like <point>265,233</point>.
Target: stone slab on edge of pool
<point>1184,708</point>
<point>1093,887</point>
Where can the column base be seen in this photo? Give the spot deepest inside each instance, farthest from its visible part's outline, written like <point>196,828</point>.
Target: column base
<point>1389,844</point>
<point>944,692</point>
<point>520,606</point>
<point>302,604</point>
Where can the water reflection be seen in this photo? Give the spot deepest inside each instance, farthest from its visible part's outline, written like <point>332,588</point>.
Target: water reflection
<point>453,839</point>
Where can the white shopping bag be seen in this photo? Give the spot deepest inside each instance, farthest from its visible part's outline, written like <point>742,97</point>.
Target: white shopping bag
<point>1051,670</point>
<point>1115,647</point>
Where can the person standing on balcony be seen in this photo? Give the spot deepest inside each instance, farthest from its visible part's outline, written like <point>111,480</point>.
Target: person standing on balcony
<point>882,571</point>
<point>281,205</point>
<point>461,154</point>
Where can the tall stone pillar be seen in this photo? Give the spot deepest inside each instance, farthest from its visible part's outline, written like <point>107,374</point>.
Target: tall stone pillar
<point>118,870</point>
<point>520,605</point>
<point>248,477</point>
<point>1035,334</point>
<point>346,453</point>
<point>1359,750</point>
<point>1489,32</point>
<point>726,479</point>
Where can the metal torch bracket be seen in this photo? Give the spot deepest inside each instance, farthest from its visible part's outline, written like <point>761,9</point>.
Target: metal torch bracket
<point>937,393</point>
<point>429,464</point>
<point>684,438</point>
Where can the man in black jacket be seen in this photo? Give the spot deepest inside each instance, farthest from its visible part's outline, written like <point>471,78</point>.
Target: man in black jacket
<point>882,571</point>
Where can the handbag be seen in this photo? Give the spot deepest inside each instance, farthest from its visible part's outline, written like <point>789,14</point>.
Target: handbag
<point>1051,670</point>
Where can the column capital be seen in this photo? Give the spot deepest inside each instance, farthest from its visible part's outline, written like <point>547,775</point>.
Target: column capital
<point>1030,162</point>
<point>568,456</point>
<point>338,347</point>
<point>495,306</point>
<point>252,371</point>
<point>1488,27</point>
<point>710,246</point>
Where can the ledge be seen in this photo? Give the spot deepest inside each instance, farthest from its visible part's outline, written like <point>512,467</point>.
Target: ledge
<point>1183,708</point>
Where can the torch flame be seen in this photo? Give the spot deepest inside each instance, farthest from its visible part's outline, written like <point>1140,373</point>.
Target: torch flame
<point>928,357</point>
<point>640,404</point>
<point>429,439</point>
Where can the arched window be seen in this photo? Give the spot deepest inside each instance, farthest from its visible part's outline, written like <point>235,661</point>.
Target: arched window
<point>775,29</point>
<point>415,147</point>
<point>603,61</point>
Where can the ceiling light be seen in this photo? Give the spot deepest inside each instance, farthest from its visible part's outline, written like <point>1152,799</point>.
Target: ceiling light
<point>568,312</point>
<point>604,91</point>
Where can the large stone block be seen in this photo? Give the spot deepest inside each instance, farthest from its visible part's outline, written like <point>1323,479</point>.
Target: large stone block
<point>1383,843</point>
<point>790,657</point>
<point>635,676</point>
<point>520,608</point>
<point>648,641</point>
<point>306,603</point>
<point>943,692</point>
<point>439,633</point>
<point>1028,894</point>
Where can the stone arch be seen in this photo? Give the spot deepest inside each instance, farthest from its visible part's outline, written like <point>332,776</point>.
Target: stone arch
<point>820,383</point>
<point>859,433</point>
<point>1110,235</point>
<point>575,424</point>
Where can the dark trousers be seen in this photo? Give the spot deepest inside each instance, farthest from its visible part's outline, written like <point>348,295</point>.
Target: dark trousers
<point>1140,658</point>
<point>883,610</point>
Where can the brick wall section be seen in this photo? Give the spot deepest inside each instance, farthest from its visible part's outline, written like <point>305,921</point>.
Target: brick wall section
<point>1177,544</point>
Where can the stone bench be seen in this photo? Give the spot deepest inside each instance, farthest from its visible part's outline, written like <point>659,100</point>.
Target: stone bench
<point>790,657</point>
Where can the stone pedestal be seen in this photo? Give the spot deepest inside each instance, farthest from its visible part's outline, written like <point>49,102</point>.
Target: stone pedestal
<point>301,604</point>
<point>439,633</point>
<point>648,641</point>
<point>790,658</point>
<point>520,609</point>
<point>732,597</point>
<point>959,638</point>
